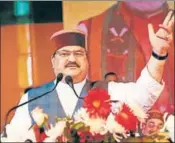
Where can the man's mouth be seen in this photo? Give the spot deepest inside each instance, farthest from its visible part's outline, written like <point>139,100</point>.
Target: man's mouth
<point>152,133</point>
<point>72,66</point>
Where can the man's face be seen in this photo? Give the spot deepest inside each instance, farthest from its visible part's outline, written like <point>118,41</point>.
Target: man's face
<point>145,6</point>
<point>152,127</point>
<point>71,60</point>
<point>111,78</point>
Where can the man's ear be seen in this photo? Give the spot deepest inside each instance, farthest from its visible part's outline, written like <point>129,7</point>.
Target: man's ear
<point>142,125</point>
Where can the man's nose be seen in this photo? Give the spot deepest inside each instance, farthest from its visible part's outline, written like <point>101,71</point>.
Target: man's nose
<point>72,58</point>
<point>154,129</point>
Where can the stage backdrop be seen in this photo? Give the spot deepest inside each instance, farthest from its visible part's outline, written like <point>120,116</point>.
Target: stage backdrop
<point>75,11</point>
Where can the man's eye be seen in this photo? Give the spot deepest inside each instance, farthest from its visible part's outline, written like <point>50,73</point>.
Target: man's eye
<point>151,124</point>
<point>79,54</point>
<point>64,54</point>
<point>160,126</point>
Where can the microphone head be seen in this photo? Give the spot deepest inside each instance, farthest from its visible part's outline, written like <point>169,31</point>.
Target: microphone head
<point>59,77</point>
<point>69,80</point>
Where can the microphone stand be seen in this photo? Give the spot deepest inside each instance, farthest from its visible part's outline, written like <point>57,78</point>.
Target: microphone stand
<point>69,81</point>
<point>75,92</point>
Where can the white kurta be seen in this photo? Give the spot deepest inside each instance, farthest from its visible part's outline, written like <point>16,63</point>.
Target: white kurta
<point>67,97</point>
<point>144,92</point>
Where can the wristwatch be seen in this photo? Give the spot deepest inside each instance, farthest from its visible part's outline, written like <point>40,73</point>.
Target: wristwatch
<point>159,57</point>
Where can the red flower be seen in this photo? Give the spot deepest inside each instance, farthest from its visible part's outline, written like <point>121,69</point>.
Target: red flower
<point>98,137</point>
<point>39,136</point>
<point>88,137</point>
<point>85,136</point>
<point>97,103</point>
<point>126,118</point>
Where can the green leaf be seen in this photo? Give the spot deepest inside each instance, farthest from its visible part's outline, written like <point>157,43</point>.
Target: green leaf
<point>78,125</point>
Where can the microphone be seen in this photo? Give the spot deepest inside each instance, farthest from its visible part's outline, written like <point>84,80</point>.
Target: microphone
<point>58,79</point>
<point>69,81</point>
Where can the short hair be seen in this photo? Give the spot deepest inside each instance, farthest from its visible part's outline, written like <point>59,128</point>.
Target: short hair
<point>110,73</point>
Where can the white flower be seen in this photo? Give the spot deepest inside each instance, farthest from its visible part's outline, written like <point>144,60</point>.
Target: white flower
<point>97,125</point>
<point>112,125</point>
<point>56,131</point>
<point>81,115</point>
<point>49,139</point>
<point>39,116</point>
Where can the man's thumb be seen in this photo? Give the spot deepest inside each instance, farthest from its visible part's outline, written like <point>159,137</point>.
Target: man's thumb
<point>150,30</point>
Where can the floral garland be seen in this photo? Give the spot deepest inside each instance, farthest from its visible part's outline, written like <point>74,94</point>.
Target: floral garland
<point>97,120</point>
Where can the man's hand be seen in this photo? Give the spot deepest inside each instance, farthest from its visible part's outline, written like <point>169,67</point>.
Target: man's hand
<point>161,40</point>
<point>119,137</point>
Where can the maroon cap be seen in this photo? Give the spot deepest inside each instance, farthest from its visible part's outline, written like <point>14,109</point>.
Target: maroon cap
<point>155,114</point>
<point>69,38</point>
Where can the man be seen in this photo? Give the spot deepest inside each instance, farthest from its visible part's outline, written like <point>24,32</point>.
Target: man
<point>151,129</point>
<point>121,38</point>
<point>159,126</point>
<point>110,76</point>
<point>153,124</point>
<point>70,58</point>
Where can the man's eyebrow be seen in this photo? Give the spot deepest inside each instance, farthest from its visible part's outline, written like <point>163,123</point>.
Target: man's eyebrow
<point>64,51</point>
<point>78,51</point>
<point>151,122</point>
<point>71,51</point>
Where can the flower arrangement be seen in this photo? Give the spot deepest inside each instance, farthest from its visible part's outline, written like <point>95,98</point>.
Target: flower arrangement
<point>96,121</point>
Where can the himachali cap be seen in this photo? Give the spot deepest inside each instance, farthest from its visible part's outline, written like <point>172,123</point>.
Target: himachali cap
<point>155,114</point>
<point>64,38</point>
